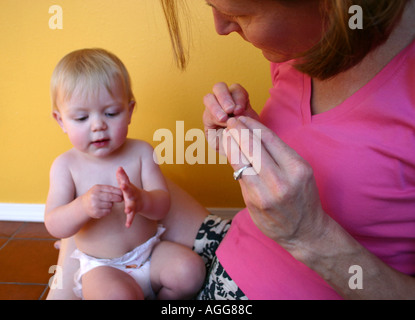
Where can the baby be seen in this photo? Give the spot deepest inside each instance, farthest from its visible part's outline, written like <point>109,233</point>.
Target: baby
<point>108,192</point>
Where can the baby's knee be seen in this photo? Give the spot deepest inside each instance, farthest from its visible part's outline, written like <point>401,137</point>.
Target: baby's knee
<point>189,274</point>
<point>178,272</point>
<point>196,269</point>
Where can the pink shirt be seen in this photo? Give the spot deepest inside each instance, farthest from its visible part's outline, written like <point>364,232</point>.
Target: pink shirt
<point>363,156</point>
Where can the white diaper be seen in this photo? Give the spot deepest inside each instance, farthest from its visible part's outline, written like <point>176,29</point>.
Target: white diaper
<point>136,263</point>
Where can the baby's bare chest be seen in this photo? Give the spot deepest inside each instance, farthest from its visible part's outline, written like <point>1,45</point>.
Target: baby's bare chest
<point>87,176</point>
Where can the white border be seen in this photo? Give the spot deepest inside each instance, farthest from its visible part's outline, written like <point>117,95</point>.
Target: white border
<point>35,212</point>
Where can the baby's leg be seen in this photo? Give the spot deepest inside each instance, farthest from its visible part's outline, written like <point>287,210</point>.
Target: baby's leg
<point>106,283</point>
<point>176,271</point>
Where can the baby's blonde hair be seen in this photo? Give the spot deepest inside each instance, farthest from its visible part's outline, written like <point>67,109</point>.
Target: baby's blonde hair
<point>91,69</point>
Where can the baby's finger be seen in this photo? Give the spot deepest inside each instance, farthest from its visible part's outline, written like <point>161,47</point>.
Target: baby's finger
<point>111,197</point>
<point>110,194</point>
<point>103,205</point>
<point>109,189</point>
<point>129,192</point>
<point>122,177</point>
<point>130,218</point>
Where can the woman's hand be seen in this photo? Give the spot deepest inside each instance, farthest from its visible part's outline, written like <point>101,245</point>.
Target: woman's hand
<point>282,198</point>
<point>225,102</point>
<point>279,190</point>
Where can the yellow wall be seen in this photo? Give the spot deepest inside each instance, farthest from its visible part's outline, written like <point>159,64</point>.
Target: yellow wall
<point>135,31</point>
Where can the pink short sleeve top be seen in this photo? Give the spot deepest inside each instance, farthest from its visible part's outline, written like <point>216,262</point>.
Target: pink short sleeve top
<point>363,156</point>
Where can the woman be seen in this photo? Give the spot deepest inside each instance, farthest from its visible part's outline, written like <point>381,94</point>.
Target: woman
<point>331,197</point>
<point>339,107</point>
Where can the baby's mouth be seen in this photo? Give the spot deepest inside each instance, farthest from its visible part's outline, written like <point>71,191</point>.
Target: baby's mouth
<point>100,143</point>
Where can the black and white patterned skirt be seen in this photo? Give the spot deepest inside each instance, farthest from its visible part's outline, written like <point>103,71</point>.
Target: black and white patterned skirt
<point>218,284</point>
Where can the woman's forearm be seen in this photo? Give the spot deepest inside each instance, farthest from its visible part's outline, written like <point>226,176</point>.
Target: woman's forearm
<point>350,269</point>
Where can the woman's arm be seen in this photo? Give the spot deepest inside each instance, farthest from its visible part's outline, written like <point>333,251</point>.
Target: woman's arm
<point>350,269</point>
<point>283,201</point>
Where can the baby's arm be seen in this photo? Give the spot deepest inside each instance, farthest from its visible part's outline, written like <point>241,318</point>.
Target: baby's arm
<point>65,215</point>
<point>153,201</point>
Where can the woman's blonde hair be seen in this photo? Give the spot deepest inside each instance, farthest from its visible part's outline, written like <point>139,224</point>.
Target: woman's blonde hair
<point>340,47</point>
<point>88,70</point>
<point>170,9</point>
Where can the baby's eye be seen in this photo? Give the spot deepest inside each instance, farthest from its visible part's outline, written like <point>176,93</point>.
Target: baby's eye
<point>81,119</point>
<point>111,114</point>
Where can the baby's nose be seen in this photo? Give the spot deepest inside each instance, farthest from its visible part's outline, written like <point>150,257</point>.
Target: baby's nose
<point>98,124</point>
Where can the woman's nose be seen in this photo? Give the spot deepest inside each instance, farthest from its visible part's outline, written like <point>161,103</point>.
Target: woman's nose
<point>224,25</point>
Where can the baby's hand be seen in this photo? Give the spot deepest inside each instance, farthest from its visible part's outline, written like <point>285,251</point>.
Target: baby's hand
<point>98,201</point>
<point>132,196</point>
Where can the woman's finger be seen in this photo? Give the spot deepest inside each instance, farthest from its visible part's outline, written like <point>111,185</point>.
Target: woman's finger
<point>235,156</point>
<point>224,97</point>
<point>240,97</point>
<point>214,114</point>
<point>248,146</point>
<point>280,152</point>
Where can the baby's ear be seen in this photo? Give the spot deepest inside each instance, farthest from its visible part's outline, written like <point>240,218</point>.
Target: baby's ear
<point>131,106</point>
<point>57,116</point>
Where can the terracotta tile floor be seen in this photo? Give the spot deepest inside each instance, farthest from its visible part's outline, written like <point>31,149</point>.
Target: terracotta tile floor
<point>26,254</point>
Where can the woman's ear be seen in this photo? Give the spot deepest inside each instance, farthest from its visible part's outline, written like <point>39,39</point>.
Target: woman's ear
<point>57,116</point>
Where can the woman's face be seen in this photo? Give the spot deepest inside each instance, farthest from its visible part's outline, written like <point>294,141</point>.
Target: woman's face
<point>280,28</point>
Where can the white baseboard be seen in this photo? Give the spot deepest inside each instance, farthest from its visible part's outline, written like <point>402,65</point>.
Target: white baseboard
<point>21,212</point>
<point>35,212</point>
